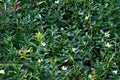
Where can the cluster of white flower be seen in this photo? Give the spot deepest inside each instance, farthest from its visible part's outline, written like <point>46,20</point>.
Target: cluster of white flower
<point>107,35</point>
<point>40,60</point>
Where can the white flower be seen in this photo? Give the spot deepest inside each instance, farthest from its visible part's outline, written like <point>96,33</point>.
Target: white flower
<point>2,71</point>
<point>74,49</point>
<point>64,68</point>
<point>43,44</point>
<point>40,60</point>
<point>86,17</point>
<point>108,45</point>
<point>107,34</point>
<point>57,1</point>
<point>115,71</point>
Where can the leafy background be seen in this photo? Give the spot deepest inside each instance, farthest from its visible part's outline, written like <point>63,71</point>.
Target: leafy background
<point>43,36</point>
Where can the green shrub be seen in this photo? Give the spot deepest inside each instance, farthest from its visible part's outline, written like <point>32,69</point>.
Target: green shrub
<point>60,40</point>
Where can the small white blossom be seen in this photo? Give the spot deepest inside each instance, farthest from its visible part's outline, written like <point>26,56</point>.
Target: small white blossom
<point>43,44</point>
<point>40,60</point>
<point>57,1</point>
<point>107,34</point>
<point>74,49</point>
<point>64,68</point>
<point>2,71</point>
<point>115,71</point>
<point>86,17</point>
<point>108,45</point>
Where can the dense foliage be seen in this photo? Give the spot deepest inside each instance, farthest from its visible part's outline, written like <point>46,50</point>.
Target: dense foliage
<point>60,40</point>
